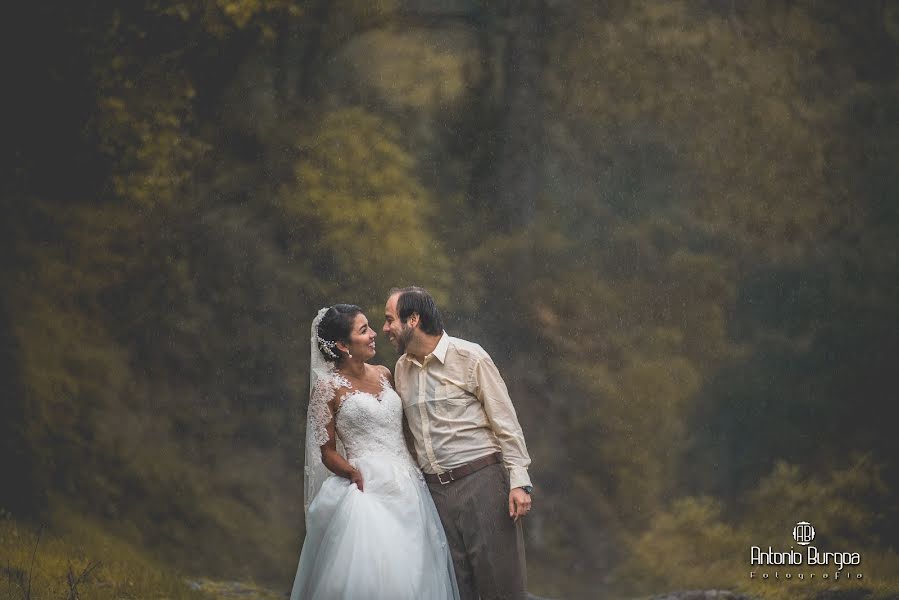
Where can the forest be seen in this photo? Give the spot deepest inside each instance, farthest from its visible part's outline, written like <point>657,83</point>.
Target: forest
<point>673,224</point>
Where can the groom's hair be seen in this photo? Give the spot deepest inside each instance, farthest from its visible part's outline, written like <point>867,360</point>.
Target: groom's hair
<point>415,299</point>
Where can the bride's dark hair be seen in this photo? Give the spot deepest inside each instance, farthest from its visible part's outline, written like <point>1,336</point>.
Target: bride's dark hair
<point>336,326</point>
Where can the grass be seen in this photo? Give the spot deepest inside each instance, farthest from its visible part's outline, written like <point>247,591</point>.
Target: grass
<point>83,563</point>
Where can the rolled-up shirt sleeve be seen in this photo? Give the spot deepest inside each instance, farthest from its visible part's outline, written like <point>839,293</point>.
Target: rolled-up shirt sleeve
<point>491,390</point>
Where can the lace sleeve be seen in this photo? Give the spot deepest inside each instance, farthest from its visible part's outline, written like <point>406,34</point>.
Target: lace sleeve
<point>319,413</point>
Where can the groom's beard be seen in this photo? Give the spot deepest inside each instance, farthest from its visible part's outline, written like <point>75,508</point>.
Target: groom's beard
<point>403,339</point>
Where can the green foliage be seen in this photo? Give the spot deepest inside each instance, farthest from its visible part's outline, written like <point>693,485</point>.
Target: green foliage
<point>734,97</point>
<point>85,561</point>
<point>150,146</point>
<point>222,17</point>
<point>687,546</point>
<point>695,544</point>
<point>840,500</point>
<point>358,213</point>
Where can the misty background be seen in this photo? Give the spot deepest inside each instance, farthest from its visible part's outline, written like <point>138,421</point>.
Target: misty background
<point>672,224</point>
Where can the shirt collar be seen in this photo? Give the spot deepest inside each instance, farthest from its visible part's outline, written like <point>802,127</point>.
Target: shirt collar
<point>442,346</point>
<point>439,351</point>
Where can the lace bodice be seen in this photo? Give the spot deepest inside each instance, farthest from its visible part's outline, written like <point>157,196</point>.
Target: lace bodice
<point>372,424</point>
<point>365,423</point>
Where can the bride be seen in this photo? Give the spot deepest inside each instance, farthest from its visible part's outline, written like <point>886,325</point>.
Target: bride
<point>372,530</point>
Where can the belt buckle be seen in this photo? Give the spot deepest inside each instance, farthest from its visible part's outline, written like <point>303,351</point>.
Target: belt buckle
<point>440,478</point>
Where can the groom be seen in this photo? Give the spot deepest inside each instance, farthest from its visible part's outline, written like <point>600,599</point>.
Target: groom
<point>468,443</point>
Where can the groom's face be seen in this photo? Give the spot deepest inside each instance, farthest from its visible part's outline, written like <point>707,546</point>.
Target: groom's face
<point>398,333</point>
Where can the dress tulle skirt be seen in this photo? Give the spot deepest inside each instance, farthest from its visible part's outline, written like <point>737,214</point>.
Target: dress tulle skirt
<point>384,542</point>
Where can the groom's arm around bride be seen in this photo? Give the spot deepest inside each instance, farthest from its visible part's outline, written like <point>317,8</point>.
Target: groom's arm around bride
<point>468,443</point>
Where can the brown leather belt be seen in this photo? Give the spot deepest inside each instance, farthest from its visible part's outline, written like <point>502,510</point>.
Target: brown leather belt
<point>466,469</point>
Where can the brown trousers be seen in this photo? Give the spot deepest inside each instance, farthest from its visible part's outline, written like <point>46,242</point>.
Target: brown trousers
<point>486,545</point>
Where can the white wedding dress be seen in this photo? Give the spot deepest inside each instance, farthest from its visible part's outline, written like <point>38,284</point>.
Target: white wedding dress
<point>386,541</point>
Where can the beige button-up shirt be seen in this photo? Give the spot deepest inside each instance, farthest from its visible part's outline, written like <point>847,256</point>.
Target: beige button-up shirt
<point>459,409</point>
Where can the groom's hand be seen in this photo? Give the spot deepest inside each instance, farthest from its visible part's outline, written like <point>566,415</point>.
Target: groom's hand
<point>519,503</point>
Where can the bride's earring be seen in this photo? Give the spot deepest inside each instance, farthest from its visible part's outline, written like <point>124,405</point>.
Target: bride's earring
<point>348,355</point>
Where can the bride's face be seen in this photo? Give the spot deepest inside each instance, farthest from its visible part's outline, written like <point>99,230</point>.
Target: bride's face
<point>362,339</point>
